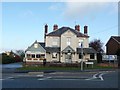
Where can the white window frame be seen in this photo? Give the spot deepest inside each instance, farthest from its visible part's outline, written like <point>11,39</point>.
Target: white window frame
<point>68,41</point>
<point>54,55</point>
<point>55,42</point>
<point>35,45</point>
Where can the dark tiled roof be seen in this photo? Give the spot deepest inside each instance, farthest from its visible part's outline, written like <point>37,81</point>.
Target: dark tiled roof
<point>64,29</point>
<point>52,49</point>
<point>117,38</point>
<point>68,48</point>
<point>42,44</point>
<point>87,50</point>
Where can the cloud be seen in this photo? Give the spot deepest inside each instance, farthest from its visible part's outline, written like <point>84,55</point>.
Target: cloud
<point>53,7</point>
<point>56,6</point>
<point>26,14</point>
<point>80,10</point>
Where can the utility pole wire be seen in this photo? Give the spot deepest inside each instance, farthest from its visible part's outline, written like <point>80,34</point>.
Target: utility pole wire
<point>108,29</point>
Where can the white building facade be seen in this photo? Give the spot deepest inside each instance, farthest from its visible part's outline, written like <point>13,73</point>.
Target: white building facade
<point>63,45</point>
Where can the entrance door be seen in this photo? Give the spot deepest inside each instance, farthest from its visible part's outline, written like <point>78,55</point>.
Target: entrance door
<point>68,58</point>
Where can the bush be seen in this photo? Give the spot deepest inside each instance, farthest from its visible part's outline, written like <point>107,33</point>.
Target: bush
<point>10,59</point>
<point>7,59</point>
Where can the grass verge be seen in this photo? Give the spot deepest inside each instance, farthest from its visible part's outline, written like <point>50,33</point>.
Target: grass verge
<point>62,68</point>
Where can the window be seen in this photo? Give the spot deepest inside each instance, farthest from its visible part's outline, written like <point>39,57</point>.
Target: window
<point>92,56</point>
<point>80,56</point>
<point>68,40</point>
<point>36,45</point>
<point>54,55</point>
<point>28,56</point>
<point>68,51</point>
<point>42,56</point>
<point>79,44</point>
<point>55,41</point>
<point>33,55</point>
<point>37,55</point>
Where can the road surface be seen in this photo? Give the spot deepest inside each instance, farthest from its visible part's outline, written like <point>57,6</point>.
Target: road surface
<point>96,79</point>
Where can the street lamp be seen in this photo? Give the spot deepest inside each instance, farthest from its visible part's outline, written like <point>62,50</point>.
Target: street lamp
<point>81,41</point>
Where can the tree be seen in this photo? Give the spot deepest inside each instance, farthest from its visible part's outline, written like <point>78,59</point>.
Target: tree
<point>11,57</point>
<point>97,45</point>
<point>7,59</point>
<point>21,53</point>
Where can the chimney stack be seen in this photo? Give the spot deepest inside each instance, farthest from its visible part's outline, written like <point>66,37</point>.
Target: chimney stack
<point>86,30</point>
<point>46,29</point>
<point>55,27</point>
<point>77,27</point>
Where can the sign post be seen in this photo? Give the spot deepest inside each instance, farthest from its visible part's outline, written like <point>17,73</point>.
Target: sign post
<point>110,58</point>
<point>89,63</point>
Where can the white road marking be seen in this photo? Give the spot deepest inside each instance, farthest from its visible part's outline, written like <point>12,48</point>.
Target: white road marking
<point>100,76</point>
<point>48,77</point>
<point>66,79</point>
<point>95,76</point>
<point>89,78</point>
<point>41,79</point>
<point>57,79</point>
<point>2,79</point>
<point>10,77</point>
<point>40,75</point>
<point>45,78</point>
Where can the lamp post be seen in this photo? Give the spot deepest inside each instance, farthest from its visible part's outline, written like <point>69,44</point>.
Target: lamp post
<point>82,54</point>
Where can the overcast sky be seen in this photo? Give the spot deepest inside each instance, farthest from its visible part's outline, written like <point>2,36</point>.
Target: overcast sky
<point>23,22</point>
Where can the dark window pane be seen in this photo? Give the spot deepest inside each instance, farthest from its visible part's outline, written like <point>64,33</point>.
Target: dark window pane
<point>42,56</point>
<point>91,56</point>
<point>37,55</point>
<point>80,56</point>
<point>28,55</point>
<point>33,55</point>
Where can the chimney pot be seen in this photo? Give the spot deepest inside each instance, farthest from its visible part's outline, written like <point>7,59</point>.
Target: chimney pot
<point>77,27</point>
<point>86,30</point>
<point>55,27</point>
<point>46,28</point>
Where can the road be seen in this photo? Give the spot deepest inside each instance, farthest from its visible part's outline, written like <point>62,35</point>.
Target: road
<point>93,79</point>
